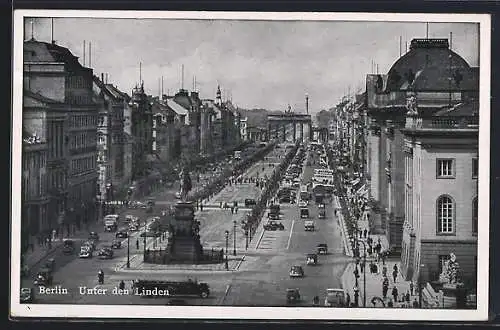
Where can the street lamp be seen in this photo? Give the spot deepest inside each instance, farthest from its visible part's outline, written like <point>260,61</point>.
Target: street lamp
<point>227,244</point>
<point>364,272</point>
<point>128,249</point>
<point>234,237</point>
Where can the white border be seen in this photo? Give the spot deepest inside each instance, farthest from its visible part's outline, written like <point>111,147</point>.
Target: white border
<point>275,313</point>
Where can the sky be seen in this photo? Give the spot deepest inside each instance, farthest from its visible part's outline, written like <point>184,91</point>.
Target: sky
<point>258,64</point>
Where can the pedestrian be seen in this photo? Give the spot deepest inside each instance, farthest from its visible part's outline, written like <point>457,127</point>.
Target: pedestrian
<point>415,303</point>
<point>411,288</point>
<point>232,209</point>
<point>365,232</point>
<point>407,297</point>
<point>394,293</point>
<point>122,285</point>
<point>384,291</point>
<point>201,206</point>
<point>220,205</point>
<point>360,234</point>
<point>347,299</point>
<point>394,275</point>
<point>236,209</point>
<point>137,244</point>
<point>384,271</point>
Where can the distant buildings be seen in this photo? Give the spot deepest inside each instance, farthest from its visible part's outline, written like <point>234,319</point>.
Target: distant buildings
<point>86,143</point>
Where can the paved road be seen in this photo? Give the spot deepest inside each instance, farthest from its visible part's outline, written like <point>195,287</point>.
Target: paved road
<point>261,278</point>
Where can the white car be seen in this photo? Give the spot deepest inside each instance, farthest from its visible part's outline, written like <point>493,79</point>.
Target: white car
<point>335,298</point>
<point>303,203</point>
<point>85,253</point>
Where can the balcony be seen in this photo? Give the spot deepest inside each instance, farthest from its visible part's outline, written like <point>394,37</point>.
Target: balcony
<point>442,123</point>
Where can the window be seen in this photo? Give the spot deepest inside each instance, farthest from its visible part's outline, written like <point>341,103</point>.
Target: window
<point>475,167</point>
<point>442,262</point>
<point>474,215</point>
<point>445,168</point>
<point>445,215</point>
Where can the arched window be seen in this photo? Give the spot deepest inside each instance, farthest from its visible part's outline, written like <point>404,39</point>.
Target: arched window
<point>445,215</point>
<point>474,215</point>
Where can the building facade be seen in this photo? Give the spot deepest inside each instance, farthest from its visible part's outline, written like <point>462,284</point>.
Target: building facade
<point>53,76</point>
<point>426,81</point>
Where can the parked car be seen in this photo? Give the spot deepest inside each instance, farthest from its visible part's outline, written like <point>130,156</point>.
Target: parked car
<point>304,213</point>
<point>43,277</point>
<point>68,246</point>
<point>335,298</point>
<point>322,248</point>
<point>250,202</point>
<point>296,271</point>
<point>105,253</point>
<point>292,296</point>
<point>273,225</point>
<point>121,234</point>
<point>303,203</point>
<point>27,295</point>
<point>116,244</point>
<point>312,259</point>
<point>85,252</point>
<point>309,225</point>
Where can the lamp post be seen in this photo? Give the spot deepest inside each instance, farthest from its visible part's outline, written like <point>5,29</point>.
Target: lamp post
<point>234,237</point>
<point>364,272</point>
<point>128,249</point>
<point>227,244</point>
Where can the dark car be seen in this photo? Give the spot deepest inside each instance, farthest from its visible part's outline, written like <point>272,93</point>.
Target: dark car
<point>292,296</point>
<point>116,244</point>
<point>250,202</point>
<point>44,277</point>
<point>312,259</point>
<point>322,248</point>
<point>274,225</point>
<point>68,247</point>
<point>150,234</point>
<point>296,271</point>
<point>105,253</point>
<point>121,234</point>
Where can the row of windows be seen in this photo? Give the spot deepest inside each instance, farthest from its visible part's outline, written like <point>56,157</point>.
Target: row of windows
<point>78,99</point>
<point>34,185</point>
<point>34,160</point>
<point>77,82</point>
<point>83,121</point>
<point>83,164</point>
<point>446,215</point>
<point>56,139</point>
<point>83,140</point>
<point>445,168</point>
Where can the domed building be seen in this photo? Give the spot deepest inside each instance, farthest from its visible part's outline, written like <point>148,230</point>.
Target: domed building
<point>421,119</point>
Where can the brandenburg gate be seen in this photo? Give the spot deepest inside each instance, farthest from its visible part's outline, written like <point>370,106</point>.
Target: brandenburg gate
<point>289,127</point>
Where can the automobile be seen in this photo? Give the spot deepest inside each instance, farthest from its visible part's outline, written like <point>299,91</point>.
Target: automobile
<point>322,213</point>
<point>27,295</point>
<point>304,213</point>
<point>322,248</point>
<point>292,296</point>
<point>273,225</point>
<point>178,195</point>
<point>111,222</point>
<point>93,236</point>
<point>68,246</point>
<point>335,298</point>
<point>312,259</point>
<point>85,253</point>
<point>182,288</point>
<point>116,244</point>
<point>303,203</point>
<point>105,253</point>
<point>150,234</point>
<point>273,216</point>
<point>121,234</point>
<point>250,202</point>
<point>43,277</point>
<point>309,225</point>
<point>296,271</point>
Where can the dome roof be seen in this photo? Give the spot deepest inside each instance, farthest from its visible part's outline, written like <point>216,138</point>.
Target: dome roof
<point>428,66</point>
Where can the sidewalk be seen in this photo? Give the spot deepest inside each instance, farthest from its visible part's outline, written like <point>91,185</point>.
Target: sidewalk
<point>374,285</point>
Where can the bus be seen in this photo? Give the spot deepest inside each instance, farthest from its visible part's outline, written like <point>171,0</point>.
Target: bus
<point>305,195</point>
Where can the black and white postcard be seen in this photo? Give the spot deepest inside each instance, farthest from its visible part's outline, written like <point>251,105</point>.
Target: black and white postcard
<point>316,166</point>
